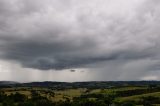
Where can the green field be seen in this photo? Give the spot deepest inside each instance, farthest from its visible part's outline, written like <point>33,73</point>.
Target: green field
<point>84,93</point>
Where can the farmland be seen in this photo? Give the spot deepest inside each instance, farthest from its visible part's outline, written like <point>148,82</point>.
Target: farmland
<point>125,95</point>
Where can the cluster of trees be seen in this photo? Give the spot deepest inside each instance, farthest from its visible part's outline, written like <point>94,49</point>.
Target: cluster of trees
<point>18,99</point>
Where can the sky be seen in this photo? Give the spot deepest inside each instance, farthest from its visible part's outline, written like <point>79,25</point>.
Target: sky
<point>79,40</point>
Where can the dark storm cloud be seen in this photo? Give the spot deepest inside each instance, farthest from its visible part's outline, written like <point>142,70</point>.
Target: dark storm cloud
<point>72,70</point>
<point>60,34</point>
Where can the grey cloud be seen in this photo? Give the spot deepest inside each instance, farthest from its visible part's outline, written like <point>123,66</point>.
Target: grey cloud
<point>59,34</point>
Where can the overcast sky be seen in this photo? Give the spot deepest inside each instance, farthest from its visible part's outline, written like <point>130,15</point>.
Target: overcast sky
<point>79,40</point>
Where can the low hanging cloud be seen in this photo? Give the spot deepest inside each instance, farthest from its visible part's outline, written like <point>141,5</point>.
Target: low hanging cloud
<point>60,34</point>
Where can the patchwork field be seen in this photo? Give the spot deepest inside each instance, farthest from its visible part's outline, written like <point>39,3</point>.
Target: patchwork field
<point>121,95</point>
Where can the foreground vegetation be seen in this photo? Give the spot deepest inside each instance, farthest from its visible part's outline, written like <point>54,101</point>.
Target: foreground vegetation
<point>114,96</point>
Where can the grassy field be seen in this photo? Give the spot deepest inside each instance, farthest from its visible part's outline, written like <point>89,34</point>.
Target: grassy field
<point>115,89</point>
<point>71,93</point>
<point>137,97</point>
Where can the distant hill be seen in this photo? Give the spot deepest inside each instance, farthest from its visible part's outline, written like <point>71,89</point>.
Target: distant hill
<point>8,82</point>
<point>92,84</point>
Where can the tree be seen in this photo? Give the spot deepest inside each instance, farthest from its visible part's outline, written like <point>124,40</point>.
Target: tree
<point>130,103</point>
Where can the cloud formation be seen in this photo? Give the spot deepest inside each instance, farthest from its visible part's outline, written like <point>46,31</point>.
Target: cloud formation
<point>60,34</point>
